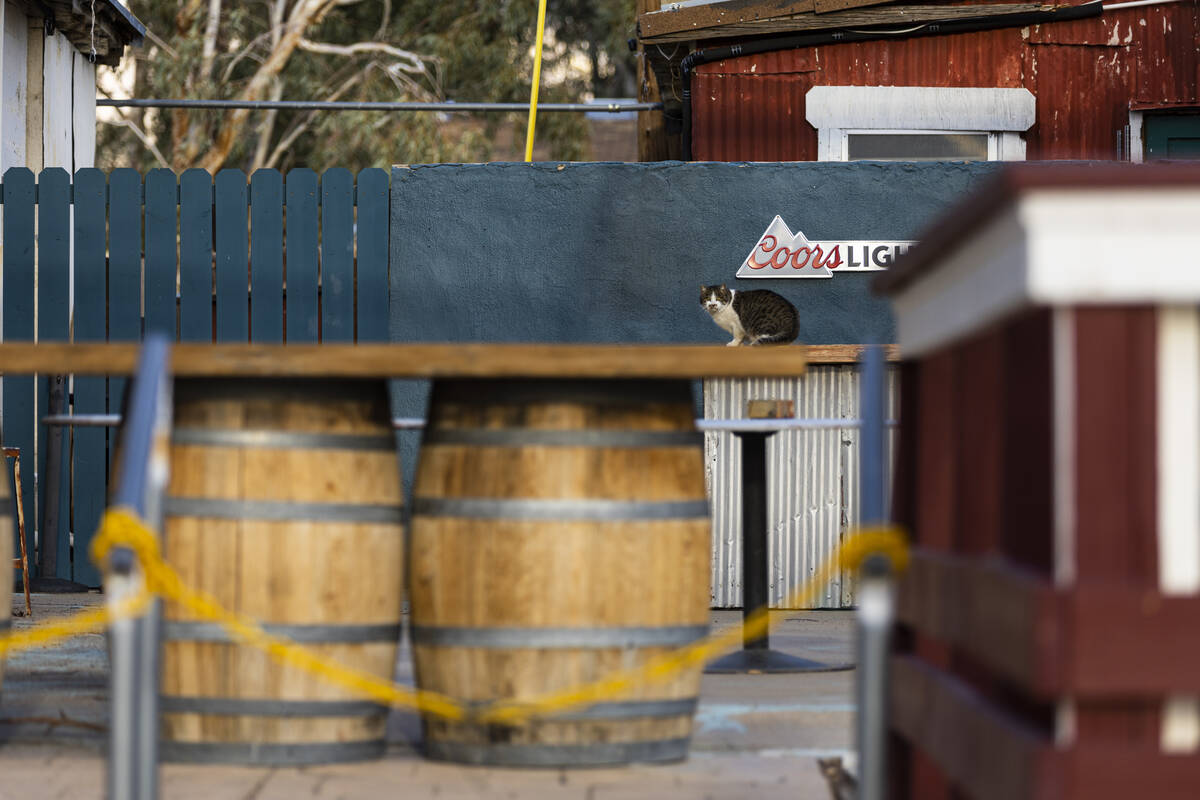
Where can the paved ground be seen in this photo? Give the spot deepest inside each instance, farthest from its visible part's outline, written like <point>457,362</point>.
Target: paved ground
<point>756,736</point>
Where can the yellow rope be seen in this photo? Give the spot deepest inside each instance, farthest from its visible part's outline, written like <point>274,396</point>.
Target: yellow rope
<point>121,527</point>
<point>537,79</point>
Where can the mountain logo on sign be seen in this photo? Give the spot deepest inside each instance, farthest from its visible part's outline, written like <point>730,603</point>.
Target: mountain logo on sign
<point>779,250</point>
<point>779,253</point>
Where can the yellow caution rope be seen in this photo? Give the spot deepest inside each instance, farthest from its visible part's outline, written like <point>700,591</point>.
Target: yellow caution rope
<point>120,527</point>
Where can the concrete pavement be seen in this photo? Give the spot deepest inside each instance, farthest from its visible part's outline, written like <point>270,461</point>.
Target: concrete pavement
<point>755,735</point>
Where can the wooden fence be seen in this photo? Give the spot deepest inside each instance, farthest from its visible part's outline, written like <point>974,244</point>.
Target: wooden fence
<point>109,257</point>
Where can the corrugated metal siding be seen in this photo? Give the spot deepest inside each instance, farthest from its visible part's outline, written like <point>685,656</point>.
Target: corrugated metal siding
<point>1085,74</point>
<point>812,491</point>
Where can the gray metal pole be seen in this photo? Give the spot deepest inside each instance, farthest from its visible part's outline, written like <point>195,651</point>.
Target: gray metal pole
<point>120,585</point>
<point>875,616</point>
<point>133,737</point>
<point>875,603</point>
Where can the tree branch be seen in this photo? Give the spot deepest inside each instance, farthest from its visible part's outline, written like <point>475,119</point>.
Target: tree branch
<point>304,14</point>
<point>123,122</point>
<point>418,61</point>
<point>209,51</point>
<point>301,126</point>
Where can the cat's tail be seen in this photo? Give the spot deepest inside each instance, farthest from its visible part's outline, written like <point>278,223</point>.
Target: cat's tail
<point>775,338</point>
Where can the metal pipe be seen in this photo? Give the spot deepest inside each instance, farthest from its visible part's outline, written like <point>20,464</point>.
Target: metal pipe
<point>1137,3</point>
<point>754,536</point>
<point>875,616</point>
<point>875,611</point>
<point>416,423</point>
<point>133,739</point>
<point>348,105</point>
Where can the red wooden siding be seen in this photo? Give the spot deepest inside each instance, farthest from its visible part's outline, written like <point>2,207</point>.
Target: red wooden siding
<point>1085,74</point>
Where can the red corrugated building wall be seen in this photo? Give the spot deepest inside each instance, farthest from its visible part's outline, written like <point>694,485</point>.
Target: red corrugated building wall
<point>1086,76</point>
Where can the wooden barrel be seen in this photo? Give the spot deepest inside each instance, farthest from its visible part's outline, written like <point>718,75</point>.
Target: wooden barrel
<point>284,503</point>
<point>6,564</point>
<point>560,532</point>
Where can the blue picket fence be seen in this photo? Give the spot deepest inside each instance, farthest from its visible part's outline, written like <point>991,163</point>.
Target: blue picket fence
<point>301,259</point>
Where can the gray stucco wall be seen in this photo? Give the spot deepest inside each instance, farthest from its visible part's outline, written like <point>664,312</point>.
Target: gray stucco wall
<point>616,252</point>
<point>601,252</point>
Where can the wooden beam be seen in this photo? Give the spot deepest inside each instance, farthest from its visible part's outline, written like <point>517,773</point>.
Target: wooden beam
<point>883,16</point>
<point>690,19</point>
<point>825,6</point>
<point>432,360</point>
<point>986,752</point>
<point>654,141</point>
<point>991,754</point>
<point>1003,617</point>
<point>417,360</point>
<point>1094,642</point>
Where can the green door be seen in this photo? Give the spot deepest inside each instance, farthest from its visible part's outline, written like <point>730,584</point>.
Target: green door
<point>1172,136</point>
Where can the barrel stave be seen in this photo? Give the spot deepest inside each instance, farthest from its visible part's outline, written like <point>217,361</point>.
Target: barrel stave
<point>560,533</point>
<point>284,504</point>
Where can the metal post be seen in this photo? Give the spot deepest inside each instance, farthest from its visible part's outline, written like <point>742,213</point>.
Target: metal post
<point>133,738</point>
<point>754,537</point>
<point>122,584</point>
<point>756,655</point>
<point>875,600</point>
<point>48,538</point>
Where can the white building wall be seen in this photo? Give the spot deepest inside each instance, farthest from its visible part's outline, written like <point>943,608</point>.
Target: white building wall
<point>14,87</point>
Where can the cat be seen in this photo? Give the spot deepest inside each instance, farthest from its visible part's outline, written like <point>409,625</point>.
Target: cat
<point>842,785</point>
<point>755,316</point>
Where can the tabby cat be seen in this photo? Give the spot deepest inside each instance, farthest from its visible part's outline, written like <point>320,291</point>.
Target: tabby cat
<point>755,316</point>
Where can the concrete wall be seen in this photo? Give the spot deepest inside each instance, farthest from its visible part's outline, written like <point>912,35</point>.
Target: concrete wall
<point>616,252</point>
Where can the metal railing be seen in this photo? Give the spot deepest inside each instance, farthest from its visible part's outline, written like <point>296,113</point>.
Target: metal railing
<point>140,485</point>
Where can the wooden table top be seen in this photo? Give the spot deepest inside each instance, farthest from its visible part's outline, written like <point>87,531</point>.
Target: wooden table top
<point>432,360</point>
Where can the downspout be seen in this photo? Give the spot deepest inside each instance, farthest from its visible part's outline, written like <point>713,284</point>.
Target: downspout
<point>968,25</point>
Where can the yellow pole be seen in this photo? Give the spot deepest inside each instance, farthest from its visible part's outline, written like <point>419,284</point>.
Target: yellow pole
<point>537,77</point>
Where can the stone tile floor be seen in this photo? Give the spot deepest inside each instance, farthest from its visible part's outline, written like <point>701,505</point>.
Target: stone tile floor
<point>756,736</point>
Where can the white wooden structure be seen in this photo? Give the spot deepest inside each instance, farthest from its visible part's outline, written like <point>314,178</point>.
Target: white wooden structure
<point>48,56</point>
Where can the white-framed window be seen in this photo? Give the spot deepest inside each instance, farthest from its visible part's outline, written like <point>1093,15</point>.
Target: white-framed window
<point>919,123</point>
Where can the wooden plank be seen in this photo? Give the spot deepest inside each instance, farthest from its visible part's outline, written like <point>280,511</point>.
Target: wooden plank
<point>91,458</point>
<point>1127,641</point>
<point>825,6</point>
<point>35,90</point>
<point>1119,773</point>
<point>18,325</point>
<point>195,256</point>
<point>421,360</point>
<point>1100,642</point>
<point>162,203</point>
<point>53,289</point>
<point>124,268</point>
<point>844,353</point>
<point>1005,618</point>
<point>83,112</point>
<point>992,755</point>
<point>57,146</point>
<point>232,264</point>
<point>266,256</point>
<point>987,753</point>
<point>337,255</point>
<point>691,19</point>
<point>653,142</point>
<point>371,281</point>
<point>300,269</point>
<point>855,17</point>
<point>1115,484</point>
<point>1027,510</point>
